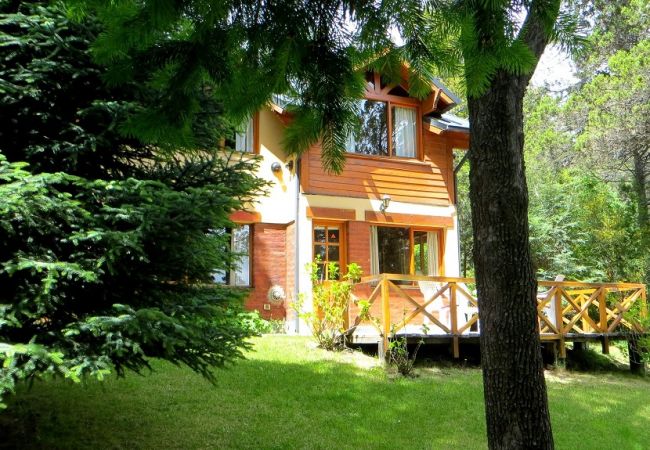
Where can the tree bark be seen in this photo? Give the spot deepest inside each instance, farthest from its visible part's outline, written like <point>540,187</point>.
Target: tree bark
<point>640,185</point>
<point>513,376</point>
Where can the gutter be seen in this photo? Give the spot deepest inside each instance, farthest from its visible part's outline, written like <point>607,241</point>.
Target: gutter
<point>296,276</point>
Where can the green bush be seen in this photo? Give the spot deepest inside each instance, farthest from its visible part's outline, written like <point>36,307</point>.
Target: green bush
<point>330,300</point>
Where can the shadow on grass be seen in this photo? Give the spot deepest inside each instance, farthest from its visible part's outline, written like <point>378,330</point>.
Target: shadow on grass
<point>311,403</point>
<point>256,404</point>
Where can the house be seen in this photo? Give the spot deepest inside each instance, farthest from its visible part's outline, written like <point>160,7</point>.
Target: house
<point>391,210</point>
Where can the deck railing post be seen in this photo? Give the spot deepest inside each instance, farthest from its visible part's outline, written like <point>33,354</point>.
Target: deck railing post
<point>602,313</point>
<point>385,307</point>
<point>454,320</point>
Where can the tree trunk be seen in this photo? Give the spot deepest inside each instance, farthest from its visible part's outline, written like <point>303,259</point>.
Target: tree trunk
<point>513,376</point>
<point>640,183</point>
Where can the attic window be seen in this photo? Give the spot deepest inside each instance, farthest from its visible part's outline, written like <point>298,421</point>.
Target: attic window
<point>384,129</point>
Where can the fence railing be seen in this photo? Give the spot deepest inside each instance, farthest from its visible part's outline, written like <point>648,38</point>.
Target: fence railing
<point>393,304</point>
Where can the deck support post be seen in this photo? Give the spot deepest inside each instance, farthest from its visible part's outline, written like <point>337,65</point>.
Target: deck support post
<point>385,307</point>
<point>454,320</point>
<point>559,322</point>
<point>605,345</point>
<point>636,358</point>
<point>549,353</point>
<point>602,312</point>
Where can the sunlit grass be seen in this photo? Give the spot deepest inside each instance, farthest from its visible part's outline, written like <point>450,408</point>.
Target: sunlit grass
<point>288,395</point>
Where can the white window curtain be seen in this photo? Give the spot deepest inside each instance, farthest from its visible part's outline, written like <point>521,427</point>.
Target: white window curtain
<point>432,250</point>
<point>240,276</point>
<point>404,131</point>
<point>244,138</point>
<point>351,143</point>
<point>374,251</point>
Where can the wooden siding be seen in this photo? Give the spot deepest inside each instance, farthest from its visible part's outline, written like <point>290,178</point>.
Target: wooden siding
<point>428,181</point>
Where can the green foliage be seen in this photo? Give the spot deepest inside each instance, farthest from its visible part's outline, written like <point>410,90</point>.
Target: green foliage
<point>107,246</point>
<point>252,321</point>
<point>330,299</point>
<point>398,355</point>
<point>315,52</point>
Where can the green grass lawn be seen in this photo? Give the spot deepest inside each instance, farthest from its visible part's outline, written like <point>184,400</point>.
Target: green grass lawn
<point>289,395</point>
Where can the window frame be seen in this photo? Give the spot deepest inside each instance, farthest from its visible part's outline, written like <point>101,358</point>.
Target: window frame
<point>255,150</point>
<point>375,92</point>
<point>342,244</point>
<point>392,101</point>
<point>229,274</point>
<point>412,229</point>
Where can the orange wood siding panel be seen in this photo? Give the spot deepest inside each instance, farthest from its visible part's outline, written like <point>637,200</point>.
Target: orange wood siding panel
<point>409,219</point>
<point>428,181</point>
<point>245,217</point>
<point>330,213</point>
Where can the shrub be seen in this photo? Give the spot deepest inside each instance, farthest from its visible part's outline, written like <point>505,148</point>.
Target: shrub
<point>330,302</point>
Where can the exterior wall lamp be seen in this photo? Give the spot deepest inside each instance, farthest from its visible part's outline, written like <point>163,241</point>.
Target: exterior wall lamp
<point>276,167</point>
<point>385,201</point>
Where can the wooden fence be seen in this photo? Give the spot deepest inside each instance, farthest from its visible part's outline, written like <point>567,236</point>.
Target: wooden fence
<point>447,306</point>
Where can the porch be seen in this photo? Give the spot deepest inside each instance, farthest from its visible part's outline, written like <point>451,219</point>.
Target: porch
<point>445,310</point>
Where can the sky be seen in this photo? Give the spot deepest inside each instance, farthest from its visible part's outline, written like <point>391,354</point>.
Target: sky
<point>555,70</point>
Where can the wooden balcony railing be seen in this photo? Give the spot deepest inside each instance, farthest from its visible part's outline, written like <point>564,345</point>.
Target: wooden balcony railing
<point>447,306</point>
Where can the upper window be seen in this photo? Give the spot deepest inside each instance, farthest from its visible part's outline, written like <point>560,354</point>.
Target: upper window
<point>242,140</point>
<point>379,121</point>
<point>404,251</point>
<point>240,245</point>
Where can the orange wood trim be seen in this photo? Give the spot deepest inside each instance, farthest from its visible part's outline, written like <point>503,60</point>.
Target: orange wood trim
<point>388,88</point>
<point>389,119</point>
<point>396,99</point>
<point>331,213</point>
<point>395,159</point>
<point>430,103</point>
<point>409,219</point>
<point>256,133</point>
<point>246,217</point>
<point>441,253</point>
<point>451,180</point>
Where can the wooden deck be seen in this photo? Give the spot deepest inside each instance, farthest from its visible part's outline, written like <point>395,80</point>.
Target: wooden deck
<point>445,310</point>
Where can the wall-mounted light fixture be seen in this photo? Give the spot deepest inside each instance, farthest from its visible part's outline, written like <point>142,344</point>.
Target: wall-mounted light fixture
<point>276,167</point>
<point>385,201</point>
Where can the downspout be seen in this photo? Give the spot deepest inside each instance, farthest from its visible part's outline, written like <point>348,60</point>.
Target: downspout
<point>460,165</point>
<point>296,275</point>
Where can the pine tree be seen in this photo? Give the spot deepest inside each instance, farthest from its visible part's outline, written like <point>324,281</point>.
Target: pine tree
<point>107,242</point>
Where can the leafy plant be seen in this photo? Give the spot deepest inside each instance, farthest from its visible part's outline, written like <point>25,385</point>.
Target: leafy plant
<point>399,357</point>
<point>252,321</point>
<point>330,300</point>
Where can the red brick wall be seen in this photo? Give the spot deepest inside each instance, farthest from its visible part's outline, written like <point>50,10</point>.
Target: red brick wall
<point>291,262</point>
<point>359,245</point>
<point>269,267</point>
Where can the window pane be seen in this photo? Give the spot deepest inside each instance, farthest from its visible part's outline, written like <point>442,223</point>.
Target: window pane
<point>421,252</point>
<point>370,136</point>
<point>220,276</point>
<point>320,272</point>
<point>242,272</point>
<point>241,247</point>
<point>393,250</point>
<point>244,137</point>
<point>333,253</point>
<point>319,234</point>
<point>240,239</point>
<point>333,234</point>
<point>404,131</point>
<point>319,252</point>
